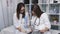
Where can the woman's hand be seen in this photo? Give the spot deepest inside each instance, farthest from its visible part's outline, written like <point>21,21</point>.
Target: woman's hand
<point>22,30</point>
<point>19,29</point>
<point>44,30</point>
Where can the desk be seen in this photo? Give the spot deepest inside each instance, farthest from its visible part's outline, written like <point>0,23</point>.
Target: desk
<point>11,30</point>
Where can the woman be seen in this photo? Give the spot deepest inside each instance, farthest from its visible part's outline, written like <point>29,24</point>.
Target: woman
<point>40,22</point>
<point>20,20</point>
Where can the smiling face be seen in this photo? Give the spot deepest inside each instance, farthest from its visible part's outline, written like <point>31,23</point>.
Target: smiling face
<point>22,10</point>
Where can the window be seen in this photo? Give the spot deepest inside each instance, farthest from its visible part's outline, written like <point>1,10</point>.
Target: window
<point>26,1</point>
<point>34,1</point>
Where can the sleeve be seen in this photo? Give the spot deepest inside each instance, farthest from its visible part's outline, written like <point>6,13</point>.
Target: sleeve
<point>15,21</point>
<point>27,17</point>
<point>46,21</point>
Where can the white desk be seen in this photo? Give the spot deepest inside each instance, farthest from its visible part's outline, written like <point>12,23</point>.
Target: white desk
<point>10,30</point>
<point>55,31</point>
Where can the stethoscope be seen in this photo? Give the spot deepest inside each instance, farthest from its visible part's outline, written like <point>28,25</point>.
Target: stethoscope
<point>35,22</point>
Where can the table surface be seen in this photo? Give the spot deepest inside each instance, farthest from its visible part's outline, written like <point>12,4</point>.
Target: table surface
<point>10,30</point>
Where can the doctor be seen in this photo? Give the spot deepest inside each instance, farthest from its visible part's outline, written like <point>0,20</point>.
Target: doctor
<point>20,20</point>
<point>40,21</point>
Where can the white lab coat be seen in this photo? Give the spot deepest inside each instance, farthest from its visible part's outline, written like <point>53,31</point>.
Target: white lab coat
<point>20,23</point>
<point>44,22</point>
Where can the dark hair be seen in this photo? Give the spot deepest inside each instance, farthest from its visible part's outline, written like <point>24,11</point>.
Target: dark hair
<point>37,10</point>
<point>19,6</point>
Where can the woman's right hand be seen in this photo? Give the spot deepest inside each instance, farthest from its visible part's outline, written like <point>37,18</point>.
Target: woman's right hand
<point>19,29</point>
<point>22,30</point>
<point>43,30</point>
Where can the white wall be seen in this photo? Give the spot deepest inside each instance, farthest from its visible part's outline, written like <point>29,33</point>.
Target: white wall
<point>1,17</point>
<point>7,9</point>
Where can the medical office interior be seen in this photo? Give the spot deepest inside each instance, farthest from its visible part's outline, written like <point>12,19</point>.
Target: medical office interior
<point>8,8</point>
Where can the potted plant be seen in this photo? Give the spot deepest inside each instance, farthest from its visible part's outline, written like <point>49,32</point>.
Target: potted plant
<point>55,19</point>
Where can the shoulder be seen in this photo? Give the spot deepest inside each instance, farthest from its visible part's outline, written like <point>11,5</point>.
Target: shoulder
<point>44,14</point>
<point>14,15</point>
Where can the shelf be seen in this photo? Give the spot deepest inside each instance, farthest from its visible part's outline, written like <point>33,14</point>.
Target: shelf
<point>54,3</point>
<point>58,24</point>
<point>53,13</point>
<point>49,3</point>
<point>39,4</point>
<point>44,3</point>
<point>54,8</point>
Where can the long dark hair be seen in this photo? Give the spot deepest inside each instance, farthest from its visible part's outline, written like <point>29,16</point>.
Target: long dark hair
<point>19,6</point>
<point>36,9</point>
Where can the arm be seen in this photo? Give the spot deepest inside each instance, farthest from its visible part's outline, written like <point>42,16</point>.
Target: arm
<point>46,23</point>
<point>16,23</point>
<point>44,30</point>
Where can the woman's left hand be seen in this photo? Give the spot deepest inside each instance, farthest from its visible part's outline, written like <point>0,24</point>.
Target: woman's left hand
<point>44,30</point>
